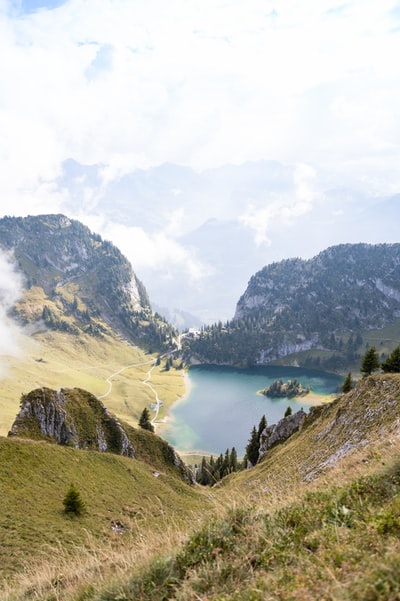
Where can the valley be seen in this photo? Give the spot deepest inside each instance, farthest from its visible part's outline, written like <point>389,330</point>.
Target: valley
<point>315,514</point>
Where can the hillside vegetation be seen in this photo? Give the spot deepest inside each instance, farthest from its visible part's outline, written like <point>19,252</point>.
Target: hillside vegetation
<point>317,518</point>
<point>122,495</point>
<point>76,282</point>
<point>318,312</point>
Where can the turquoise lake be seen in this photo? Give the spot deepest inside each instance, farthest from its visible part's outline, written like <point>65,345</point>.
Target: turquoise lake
<point>222,405</point>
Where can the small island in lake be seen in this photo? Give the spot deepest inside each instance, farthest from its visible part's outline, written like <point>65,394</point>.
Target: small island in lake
<point>289,389</point>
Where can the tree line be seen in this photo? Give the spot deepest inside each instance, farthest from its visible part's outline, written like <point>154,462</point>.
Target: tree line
<point>370,363</point>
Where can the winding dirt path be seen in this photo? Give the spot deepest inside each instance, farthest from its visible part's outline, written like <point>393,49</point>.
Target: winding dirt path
<point>145,382</point>
<point>116,373</point>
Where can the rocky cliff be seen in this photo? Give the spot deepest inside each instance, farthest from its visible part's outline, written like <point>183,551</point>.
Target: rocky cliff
<point>71,417</point>
<point>75,417</point>
<point>314,442</point>
<point>272,435</point>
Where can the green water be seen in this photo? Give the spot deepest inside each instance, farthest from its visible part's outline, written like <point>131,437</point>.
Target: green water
<point>223,405</point>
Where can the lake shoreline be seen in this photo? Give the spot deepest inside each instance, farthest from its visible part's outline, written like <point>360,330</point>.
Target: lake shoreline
<point>168,418</point>
<point>220,406</point>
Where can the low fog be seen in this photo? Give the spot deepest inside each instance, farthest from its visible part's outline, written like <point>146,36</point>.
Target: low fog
<point>11,285</point>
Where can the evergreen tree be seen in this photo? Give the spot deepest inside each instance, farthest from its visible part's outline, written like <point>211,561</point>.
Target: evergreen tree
<point>225,464</point>
<point>72,502</point>
<point>253,447</point>
<point>144,420</point>
<point>348,383</point>
<point>233,460</point>
<point>370,362</point>
<point>204,473</point>
<point>392,363</point>
<point>261,426</point>
<point>288,411</point>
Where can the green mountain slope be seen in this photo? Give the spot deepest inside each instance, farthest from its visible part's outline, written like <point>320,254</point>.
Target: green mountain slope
<point>317,518</point>
<point>35,476</point>
<point>85,283</point>
<point>76,418</point>
<point>326,304</point>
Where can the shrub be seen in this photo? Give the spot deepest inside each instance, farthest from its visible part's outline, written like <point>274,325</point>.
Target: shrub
<point>72,502</point>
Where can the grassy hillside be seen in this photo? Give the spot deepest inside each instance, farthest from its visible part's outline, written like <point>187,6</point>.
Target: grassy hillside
<point>318,518</point>
<point>341,543</point>
<point>118,491</point>
<point>360,423</point>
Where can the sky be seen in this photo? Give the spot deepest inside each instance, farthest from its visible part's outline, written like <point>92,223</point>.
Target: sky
<point>185,129</point>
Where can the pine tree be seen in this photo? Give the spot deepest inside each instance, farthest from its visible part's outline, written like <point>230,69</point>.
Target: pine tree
<point>144,420</point>
<point>204,473</point>
<point>288,411</point>
<point>233,460</point>
<point>392,363</point>
<point>261,426</point>
<point>348,383</point>
<point>225,464</point>
<point>72,502</point>
<point>253,447</point>
<point>370,362</point>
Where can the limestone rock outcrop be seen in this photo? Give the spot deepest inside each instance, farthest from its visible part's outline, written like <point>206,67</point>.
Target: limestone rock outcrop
<point>72,417</point>
<point>281,431</point>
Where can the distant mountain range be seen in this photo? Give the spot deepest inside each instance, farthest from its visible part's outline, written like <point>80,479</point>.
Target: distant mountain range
<point>75,281</point>
<point>318,312</point>
<point>326,303</point>
<point>210,231</point>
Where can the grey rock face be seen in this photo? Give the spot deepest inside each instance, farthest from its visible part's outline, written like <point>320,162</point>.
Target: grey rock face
<point>281,431</point>
<point>70,417</point>
<point>46,412</point>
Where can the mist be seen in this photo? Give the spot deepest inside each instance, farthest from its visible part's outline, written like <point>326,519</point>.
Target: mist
<point>11,286</point>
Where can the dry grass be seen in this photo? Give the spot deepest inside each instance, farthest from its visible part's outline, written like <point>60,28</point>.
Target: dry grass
<point>58,574</point>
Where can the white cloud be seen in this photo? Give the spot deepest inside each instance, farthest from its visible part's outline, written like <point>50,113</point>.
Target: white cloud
<point>282,209</point>
<point>158,251</point>
<point>124,85</point>
<point>10,292</point>
<point>135,84</point>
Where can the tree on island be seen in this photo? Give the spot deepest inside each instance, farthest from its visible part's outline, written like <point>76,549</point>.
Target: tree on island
<point>370,362</point>
<point>289,389</point>
<point>144,420</point>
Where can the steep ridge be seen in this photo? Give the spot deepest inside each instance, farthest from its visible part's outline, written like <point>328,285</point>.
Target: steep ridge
<point>358,422</point>
<point>326,303</point>
<point>70,417</point>
<point>76,282</point>
<point>76,418</point>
